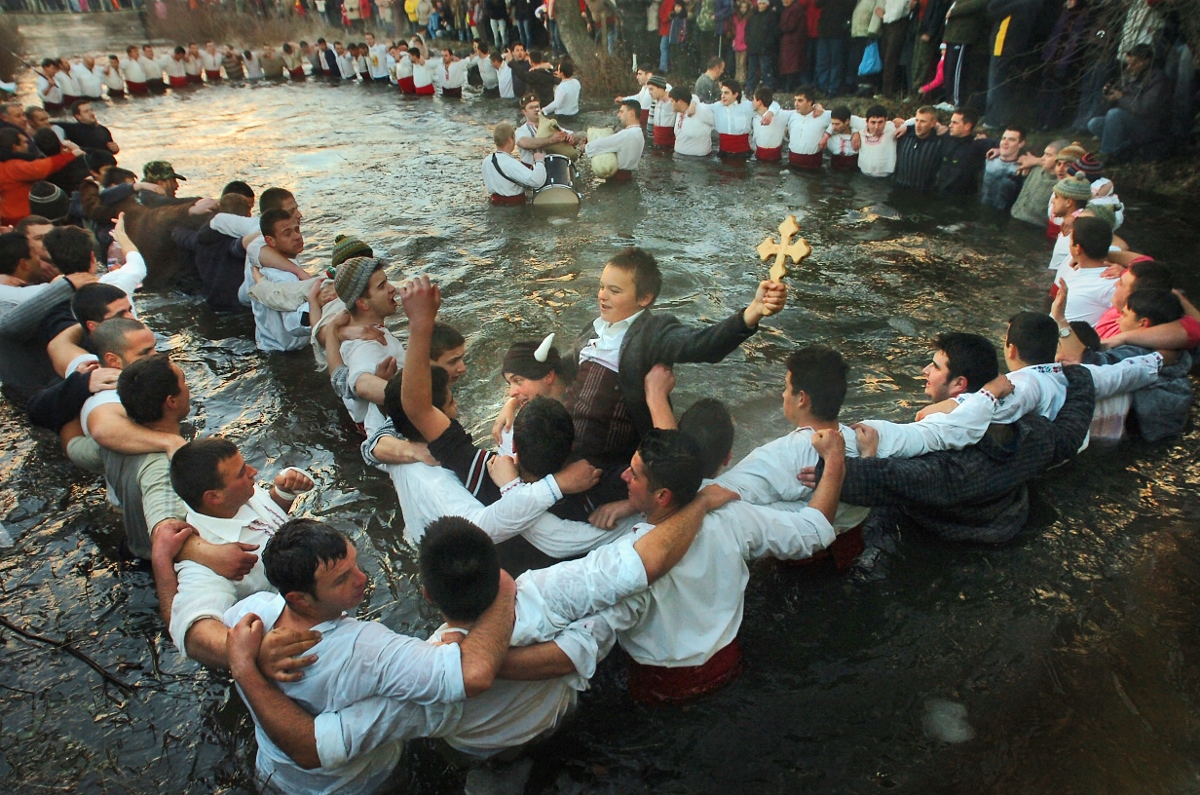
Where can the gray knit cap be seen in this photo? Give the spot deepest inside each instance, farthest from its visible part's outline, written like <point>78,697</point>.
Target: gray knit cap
<point>353,275</point>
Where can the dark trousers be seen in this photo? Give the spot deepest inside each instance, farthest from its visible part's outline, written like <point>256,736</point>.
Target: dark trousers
<point>831,64</point>
<point>757,65</point>
<point>891,45</point>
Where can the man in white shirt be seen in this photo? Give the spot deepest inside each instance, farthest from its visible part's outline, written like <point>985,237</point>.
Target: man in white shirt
<point>423,73</point>
<point>487,66</point>
<point>175,68</point>
<point>210,59</point>
<point>71,91</point>
<point>504,176</point>
<point>1090,291</point>
<point>89,83</point>
<point>345,62</point>
<point>377,56</point>
<point>662,112</point>
<point>451,75</point>
<point>527,133</point>
<point>276,331</point>
<point>842,139</point>
<point>769,127</point>
<point>370,299</point>
<point>153,69</point>
<point>877,155</point>
<point>806,126</point>
<point>504,76</point>
<point>135,76</point>
<point>642,97</point>
<point>627,144</point>
<point>352,746</point>
<point>109,73</point>
<point>404,72</point>
<point>193,65</point>
<point>733,118</point>
<point>566,93</point>
<point>225,505</point>
<point>693,133</point>
<point>48,90</point>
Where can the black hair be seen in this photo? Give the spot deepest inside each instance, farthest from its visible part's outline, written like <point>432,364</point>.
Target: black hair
<point>633,105</point>
<point>70,248</point>
<point>1093,235</point>
<point>820,372</point>
<point>876,112</point>
<point>734,87</point>
<point>116,176</point>
<point>764,95</point>
<point>1087,335</point>
<point>841,113</point>
<point>273,198</point>
<point>536,56</point>
<point>47,142</point>
<point>238,187</point>
<point>145,385</point>
<point>270,219</point>
<point>1035,335</point>
<point>109,335</point>
<point>1157,306</point>
<point>445,338</point>
<point>460,569</point>
<point>90,302</point>
<point>672,461</point>
<point>808,92</point>
<point>972,356</point>
<point>647,278</point>
<point>1151,275</point>
<point>10,137</point>
<point>708,423</point>
<point>680,94</point>
<point>567,67</point>
<point>180,51</point>
<point>194,468</point>
<point>969,114</point>
<point>77,104</point>
<point>1142,52</point>
<point>543,434</point>
<point>1018,129</point>
<point>440,389</point>
<point>14,247</point>
<point>300,547</point>
<point>97,159</point>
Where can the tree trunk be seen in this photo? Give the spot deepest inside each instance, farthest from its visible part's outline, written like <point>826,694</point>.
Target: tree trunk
<point>572,29</point>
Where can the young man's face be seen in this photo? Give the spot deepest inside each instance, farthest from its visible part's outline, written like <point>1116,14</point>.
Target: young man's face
<point>875,125</point>
<point>658,93</point>
<point>149,51</point>
<point>680,106</point>
<point>1123,289</point>
<point>791,402</point>
<point>532,111</point>
<point>526,389</point>
<point>85,114</point>
<point>642,76</point>
<point>370,40</point>
<point>37,120</point>
<point>193,50</point>
<point>238,479</point>
<point>454,363</point>
<point>138,345</point>
<point>641,495</point>
<point>340,585</point>
<point>727,96</point>
<point>1060,169</point>
<point>35,235</point>
<point>803,104</point>
<point>380,295</point>
<point>288,239</point>
<point>1059,206</point>
<point>937,378</point>
<point>519,53</point>
<point>1010,144</point>
<point>924,124</point>
<point>289,205</point>
<point>447,57</point>
<point>840,127</point>
<point>626,116</point>
<point>959,127</point>
<point>1129,321</point>
<point>1049,156</point>
<point>618,295</point>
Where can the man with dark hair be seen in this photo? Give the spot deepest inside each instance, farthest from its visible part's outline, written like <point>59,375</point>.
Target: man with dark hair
<point>1002,178</point>
<point>448,350</point>
<point>1142,273</point>
<point>276,331</point>
<point>963,155</point>
<point>240,188</point>
<point>73,250</point>
<point>806,124</point>
<point>708,423</point>
<point>919,154</point>
<point>627,143</point>
<point>219,252</point>
<point>1089,292</point>
<point>962,363</point>
<point>1138,105</point>
<point>260,256</point>
<point>225,505</point>
<point>87,132</point>
<point>706,87</point>
<point>693,133</point>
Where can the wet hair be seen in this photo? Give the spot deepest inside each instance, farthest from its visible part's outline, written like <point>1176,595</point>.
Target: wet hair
<point>496,57</point>
<point>1150,274</point>
<point>445,338</point>
<point>1020,131</point>
<point>567,67</point>
<point>1157,306</point>
<point>971,356</point>
<point>271,219</point>
<point>820,372</point>
<point>876,112</point>
<point>672,461</point>
<point>733,85</point>
<point>14,247</point>
<point>238,187</point>
<point>49,62</point>
<point>194,468</point>
<point>319,41</point>
<point>1087,335</point>
<point>273,198</point>
<point>180,51</point>
<point>47,141</point>
<point>77,105</point>
<point>1093,235</point>
<point>90,302</point>
<point>144,386</point>
<point>70,248</point>
<point>633,105</point>
<point>300,547</point>
<point>460,569</point>
<point>109,336</point>
<point>482,45</point>
<point>710,426</point>
<point>287,47</point>
<point>543,434</point>
<point>647,278</point>
<point>1035,335</point>
<point>234,204</point>
<point>970,115</point>
<point>841,113</point>
<point>440,389</point>
<point>808,92</point>
<point>764,95</point>
<point>116,176</point>
<point>502,134</point>
<point>680,94</point>
<point>98,159</point>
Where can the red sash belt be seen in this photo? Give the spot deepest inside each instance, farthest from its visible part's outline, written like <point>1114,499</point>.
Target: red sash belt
<point>179,82</point>
<point>365,77</point>
<point>769,155</point>
<point>1052,229</point>
<point>137,88</point>
<point>212,74</point>
<point>664,136</point>
<point>407,85</point>
<point>52,107</point>
<point>69,100</point>
<point>644,115</point>
<point>843,162</point>
<point>196,78</point>
<point>811,162</point>
<point>843,551</point>
<point>621,175</point>
<point>498,199</point>
<point>426,91</point>
<point>653,684</point>
<point>452,92</point>
<point>297,73</point>
<point>116,93</point>
<point>735,144</point>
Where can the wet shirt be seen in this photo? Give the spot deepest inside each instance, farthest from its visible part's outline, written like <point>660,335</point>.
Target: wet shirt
<point>917,161</point>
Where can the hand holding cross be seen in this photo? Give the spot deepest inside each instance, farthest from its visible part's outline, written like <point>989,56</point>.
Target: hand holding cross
<point>797,250</point>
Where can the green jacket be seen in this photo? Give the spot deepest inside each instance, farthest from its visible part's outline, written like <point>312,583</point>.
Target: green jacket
<point>967,23</point>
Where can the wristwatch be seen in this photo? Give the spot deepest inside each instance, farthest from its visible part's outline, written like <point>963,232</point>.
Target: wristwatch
<point>1064,331</point>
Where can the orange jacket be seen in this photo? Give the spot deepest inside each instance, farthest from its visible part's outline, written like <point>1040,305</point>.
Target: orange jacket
<point>17,175</point>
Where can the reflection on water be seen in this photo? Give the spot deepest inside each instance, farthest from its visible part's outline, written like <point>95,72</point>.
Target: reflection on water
<point>1071,651</point>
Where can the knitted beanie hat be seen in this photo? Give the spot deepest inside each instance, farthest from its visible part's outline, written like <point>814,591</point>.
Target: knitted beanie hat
<point>1069,154</point>
<point>1077,188</point>
<point>1104,211</point>
<point>48,200</point>
<point>348,246</point>
<point>1088,165</point>
<point>657,81</point>
<point>353,276</point>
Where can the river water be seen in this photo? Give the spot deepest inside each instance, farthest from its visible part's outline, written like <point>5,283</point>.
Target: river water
<point>1071,654</point>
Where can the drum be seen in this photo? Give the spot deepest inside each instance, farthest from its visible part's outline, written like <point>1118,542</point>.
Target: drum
<point>559,190</point>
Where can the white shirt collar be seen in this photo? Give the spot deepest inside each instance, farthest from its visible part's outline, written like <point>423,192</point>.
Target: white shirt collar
<point>609,331</point>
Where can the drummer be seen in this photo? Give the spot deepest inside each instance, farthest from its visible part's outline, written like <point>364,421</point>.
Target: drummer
<point>527,137</point>
<point>506,177</point>
<point>628,143</point>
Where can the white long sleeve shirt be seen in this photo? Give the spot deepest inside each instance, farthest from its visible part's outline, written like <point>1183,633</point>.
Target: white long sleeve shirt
<point>1042,388</point>
<point>89,84</point>
<point>377,61</point>
<point>877,158</point>
<point>628,145</point>
<point>805,131</point>
<point>48,91</point>
<point>504,81</point>
<point>735,119</point>
<point>770,136</point>
<point>566,99</point>
<point>487,72</point>
<point>1089,293</point>
<point>505,175</point>
<point>693,134</point>
<point>452,76</point>
<point>276,331</point>
<point>132,71</point>
<point>109,76</point>
<point>361,358</point>
<point>150,67</point>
